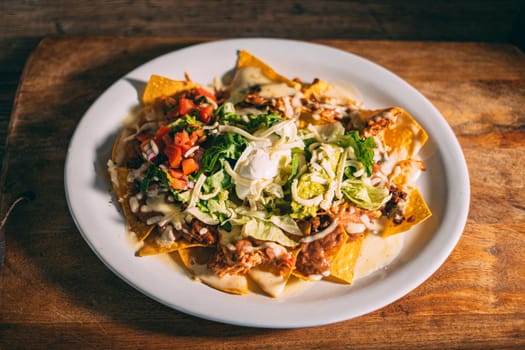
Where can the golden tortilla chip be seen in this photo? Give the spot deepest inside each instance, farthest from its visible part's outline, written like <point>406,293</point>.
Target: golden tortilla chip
<point>246,59</point>
<point>331,254</point>
<point>159,86</point>
<point>319,87</point>
<point>123,150</point>
<point>195,260</point>
<point>152,247</point>
<point>407,136</point>
<point>416,212</point>
<point>123,190</point>
<point>404,172</point>
<point>270,279</point>
<point>343,264</point>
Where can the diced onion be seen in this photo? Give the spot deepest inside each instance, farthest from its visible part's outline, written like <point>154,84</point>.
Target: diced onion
<point>191,151</point>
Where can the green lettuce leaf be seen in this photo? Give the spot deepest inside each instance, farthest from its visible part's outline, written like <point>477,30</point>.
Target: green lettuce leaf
<point>266,231</point>
<point>365,196</point>
<point>363,148</point>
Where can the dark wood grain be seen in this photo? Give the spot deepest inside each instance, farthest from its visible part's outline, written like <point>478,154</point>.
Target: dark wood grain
<point>55,293</point>
<point>487,20</point>
<point>24,23</point>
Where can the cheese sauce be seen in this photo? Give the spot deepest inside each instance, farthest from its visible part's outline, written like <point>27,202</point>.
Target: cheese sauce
<point>377,253</point>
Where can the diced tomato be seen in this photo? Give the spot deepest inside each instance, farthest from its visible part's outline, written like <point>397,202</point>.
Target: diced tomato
<point>178,184</point>
<point>182,139</point>
<point>162,137</point>
<point>206,113</point>
<point>174,154</point>
<point>189,166</point>
<point>167,139</point>
<point>177,174</point>
<point>196,135</point>
<point>185,106</point>
<point>163,130</point>
<point>177,179</point>
<point>204,92</point>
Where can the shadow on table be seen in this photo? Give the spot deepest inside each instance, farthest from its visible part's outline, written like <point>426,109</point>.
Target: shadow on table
<point>51,244</point>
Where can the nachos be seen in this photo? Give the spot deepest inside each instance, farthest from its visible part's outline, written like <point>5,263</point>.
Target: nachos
<point>260,177</point>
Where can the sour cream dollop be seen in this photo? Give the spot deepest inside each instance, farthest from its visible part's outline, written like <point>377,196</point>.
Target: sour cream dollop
<point>258,165</point>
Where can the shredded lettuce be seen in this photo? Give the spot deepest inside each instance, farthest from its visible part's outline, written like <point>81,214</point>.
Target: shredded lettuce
<point>223,147</point>
<point>363,148</point>
<point>249,122</point>
<point>187,122</point>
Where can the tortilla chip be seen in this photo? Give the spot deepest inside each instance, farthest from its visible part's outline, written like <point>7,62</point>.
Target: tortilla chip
<point>152,247</point>
<point>343,264</point>
<point>407,136</point>
<point>269,278</point>
<point>331,254</point>
<point>403,173</point>
<point>123,190</point>
<point>195,260</point>
<point>416,212</point>
<point>246,59</point>
<point>159,86</point>
<point>123,150</point>
<point>318,88</point>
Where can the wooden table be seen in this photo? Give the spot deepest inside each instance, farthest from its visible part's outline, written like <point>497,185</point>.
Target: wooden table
<point>55,293</point>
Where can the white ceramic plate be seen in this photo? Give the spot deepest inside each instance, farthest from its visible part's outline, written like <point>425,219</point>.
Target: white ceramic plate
<point>445,186</point>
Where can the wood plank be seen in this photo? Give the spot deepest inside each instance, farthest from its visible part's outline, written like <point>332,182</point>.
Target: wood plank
<point>410,20</point>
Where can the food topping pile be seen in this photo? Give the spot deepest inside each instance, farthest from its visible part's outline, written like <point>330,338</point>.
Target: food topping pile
<point>263,178</point>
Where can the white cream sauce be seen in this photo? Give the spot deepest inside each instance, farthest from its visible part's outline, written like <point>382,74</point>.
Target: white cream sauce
<point>377,253</point>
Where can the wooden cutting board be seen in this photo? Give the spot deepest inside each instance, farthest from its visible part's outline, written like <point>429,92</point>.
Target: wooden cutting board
<point>55,293</point>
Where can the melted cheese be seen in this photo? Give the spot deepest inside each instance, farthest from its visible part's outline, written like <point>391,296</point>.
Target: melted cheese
<point>253,76</point>
<point>268,281</point>
<point>237,284</point>
<point>376,253</point>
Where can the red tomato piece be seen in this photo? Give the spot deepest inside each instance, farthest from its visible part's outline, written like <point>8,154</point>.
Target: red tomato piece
<point>189,166</point>
<point>206,113</point>
<point>185,106</point>
<point>174,154</point>
<point>204,92</point>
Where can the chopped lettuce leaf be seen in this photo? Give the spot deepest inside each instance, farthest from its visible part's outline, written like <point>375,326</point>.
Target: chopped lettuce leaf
<point>222,148</point>
<point>249,122</point>
<point>363,148</point>
<point>187,122</point>
<point>266,231</point>
<point>365,196</point>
